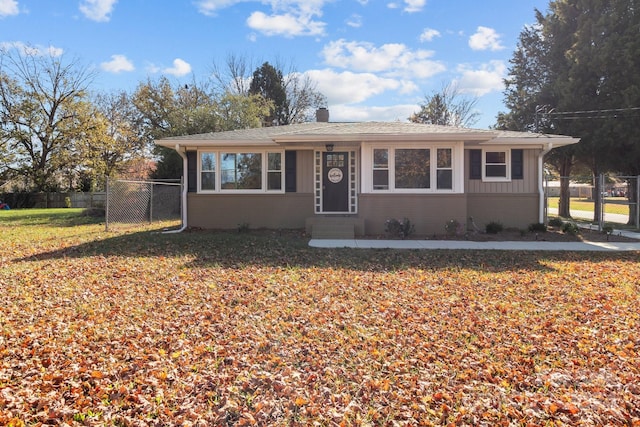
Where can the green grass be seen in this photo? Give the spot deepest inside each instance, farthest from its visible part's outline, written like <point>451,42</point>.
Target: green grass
<point>612,205</point>
<point>49,217</point>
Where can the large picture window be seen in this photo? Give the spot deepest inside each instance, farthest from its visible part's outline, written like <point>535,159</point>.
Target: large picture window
<point>412,169</point>
<point>241,171</point>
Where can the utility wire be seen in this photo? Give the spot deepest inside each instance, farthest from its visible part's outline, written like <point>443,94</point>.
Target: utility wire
<point>611,110</point>
<point>615,113</point>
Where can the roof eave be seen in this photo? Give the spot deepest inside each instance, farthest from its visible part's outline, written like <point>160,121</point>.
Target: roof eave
<point>378,137</point>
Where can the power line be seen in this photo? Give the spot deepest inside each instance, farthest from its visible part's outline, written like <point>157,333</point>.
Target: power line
<point>615,113</point>
<point>611,110</point>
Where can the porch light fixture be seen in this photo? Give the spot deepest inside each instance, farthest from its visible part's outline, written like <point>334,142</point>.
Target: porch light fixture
<point>329,147</point>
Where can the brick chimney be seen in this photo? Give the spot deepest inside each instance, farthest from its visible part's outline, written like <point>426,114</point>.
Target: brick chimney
<point>322,115</point>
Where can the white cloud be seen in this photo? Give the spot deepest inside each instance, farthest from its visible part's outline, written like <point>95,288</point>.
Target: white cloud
<point>488,78</point>
<point>97,10</point>
<point>8,8</point>
<point>485,39</point>
<point>363,113</point>
<point>347,87</point>
<point>393,59</point>
<point>26,49</point>
<point>287,24</point>
<point>428,34</point>
<point>118,64</point>
<point>210,7</point>
<point>180,68</point>
<point>410,6</point>
<point>355,21</point>
<point>287,18</point>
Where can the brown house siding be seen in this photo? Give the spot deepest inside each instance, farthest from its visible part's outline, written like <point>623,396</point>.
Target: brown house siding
<point>429,212</point>
<point>528,184</point>
<point>304,172</point>
<point>227,211</point>
<point>514,203</point>
<point>511,210</point>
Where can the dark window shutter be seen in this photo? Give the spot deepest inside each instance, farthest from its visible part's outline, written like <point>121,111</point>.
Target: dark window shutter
<point>475,164</point>
<point>290,171</point>
<point>192,171</point>
<point>517,164</point>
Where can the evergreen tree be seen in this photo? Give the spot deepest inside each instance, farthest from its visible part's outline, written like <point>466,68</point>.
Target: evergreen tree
<point>570,75</point>
<point>269,83</point>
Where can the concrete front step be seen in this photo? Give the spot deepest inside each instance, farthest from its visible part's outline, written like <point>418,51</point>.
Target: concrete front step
<point>334,227</point>
<point>333,231</point>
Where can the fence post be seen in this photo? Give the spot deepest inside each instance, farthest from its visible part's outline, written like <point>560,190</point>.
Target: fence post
<point>600,201</point>
<point>106,205</point>
<point>638,201</point>
<point>151,203</point>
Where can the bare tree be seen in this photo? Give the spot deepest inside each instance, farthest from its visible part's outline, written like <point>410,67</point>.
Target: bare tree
<point>448,107</point>
<point>235,76</point>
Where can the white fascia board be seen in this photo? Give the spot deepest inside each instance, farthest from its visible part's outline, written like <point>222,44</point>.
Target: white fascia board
<point>217,144</point>
<point>381,137</point>
<point>532,142</point>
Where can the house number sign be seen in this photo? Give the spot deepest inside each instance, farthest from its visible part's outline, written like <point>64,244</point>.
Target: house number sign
<point>335,175</point>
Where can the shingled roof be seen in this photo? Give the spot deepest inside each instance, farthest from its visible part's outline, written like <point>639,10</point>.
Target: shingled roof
<point>319,132</point>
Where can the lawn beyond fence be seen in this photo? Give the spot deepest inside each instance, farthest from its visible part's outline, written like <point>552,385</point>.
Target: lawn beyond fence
<point>613,205</point>
<point>143,328</point>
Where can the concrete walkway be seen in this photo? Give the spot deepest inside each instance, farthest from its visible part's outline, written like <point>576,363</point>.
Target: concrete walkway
<point>501,246</point>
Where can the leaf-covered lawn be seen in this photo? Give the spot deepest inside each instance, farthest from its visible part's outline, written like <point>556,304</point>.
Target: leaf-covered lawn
<point>204,328</point>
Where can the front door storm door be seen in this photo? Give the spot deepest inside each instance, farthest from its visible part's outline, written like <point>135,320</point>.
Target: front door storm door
<point>335,181</point>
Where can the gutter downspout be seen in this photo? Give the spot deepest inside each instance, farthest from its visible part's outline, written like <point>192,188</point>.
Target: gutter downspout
<point>541,206</point>
<point>185,186</point>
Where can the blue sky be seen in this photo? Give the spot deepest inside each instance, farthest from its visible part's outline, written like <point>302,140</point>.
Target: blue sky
<point>373,59</point>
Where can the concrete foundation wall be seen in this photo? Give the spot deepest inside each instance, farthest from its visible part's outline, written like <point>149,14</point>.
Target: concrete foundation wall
<point>429,213</point>
<point>511,210</point>
<point>214,211</point>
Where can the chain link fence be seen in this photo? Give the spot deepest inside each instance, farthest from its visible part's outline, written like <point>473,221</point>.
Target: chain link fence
<point>610,199</point>
<point>131,203</point>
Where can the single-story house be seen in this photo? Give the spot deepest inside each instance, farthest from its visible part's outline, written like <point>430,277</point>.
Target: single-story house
<point>337,179</point>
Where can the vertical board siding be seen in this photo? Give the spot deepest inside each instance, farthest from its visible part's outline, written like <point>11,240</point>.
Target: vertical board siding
<point>304,179</point>
<point>529,183</point>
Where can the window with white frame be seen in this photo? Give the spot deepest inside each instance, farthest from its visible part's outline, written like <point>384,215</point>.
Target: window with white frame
<point>495,165</point>
<point>444,169</point>
<point>412,169</point>
<point>208,171</point>
<point>380,169</point>
<point>274,171</point>
<point>240,171</point>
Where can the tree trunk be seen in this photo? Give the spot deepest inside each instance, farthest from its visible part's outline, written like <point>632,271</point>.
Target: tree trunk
<point>597,197</point>
<point>565,194</point>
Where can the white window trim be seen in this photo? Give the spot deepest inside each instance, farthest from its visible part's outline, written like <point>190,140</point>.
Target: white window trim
<point>507,158</point>
<point>264,170</point>
<point>457,162</point>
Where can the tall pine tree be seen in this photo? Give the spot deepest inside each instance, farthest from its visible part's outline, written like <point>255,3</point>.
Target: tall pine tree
<point>571,75</point>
